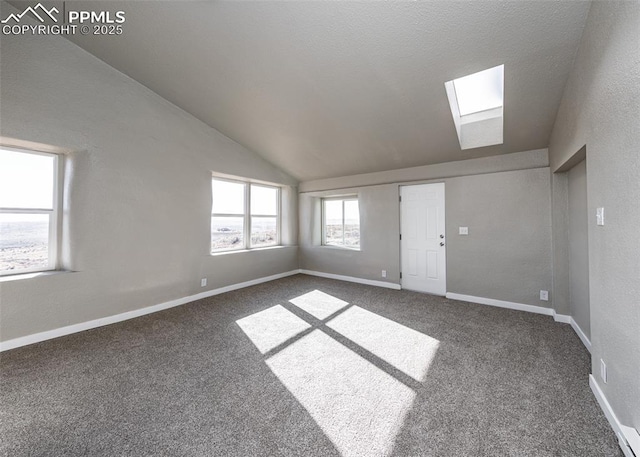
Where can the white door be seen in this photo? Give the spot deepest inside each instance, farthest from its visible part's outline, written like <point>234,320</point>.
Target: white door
<point>422,241</point>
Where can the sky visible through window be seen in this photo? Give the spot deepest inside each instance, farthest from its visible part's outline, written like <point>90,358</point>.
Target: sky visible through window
<point>264,200</point>
<point>26,183</point>
<point>333,212</point>
<point>228,198</point>
<point>26,180</point>
<point>480,91</point>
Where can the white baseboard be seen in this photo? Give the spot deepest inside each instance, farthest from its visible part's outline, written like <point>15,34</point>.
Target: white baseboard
<point>563,318</point>
<point>501,304</point>
<point>75,328</point>
<point>369,282</point>
<point>581,334</point>
<point>566,319</point>
<point>628,437</point>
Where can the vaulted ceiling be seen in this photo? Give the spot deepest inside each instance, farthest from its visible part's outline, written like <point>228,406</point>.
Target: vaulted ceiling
<point>325,89</point>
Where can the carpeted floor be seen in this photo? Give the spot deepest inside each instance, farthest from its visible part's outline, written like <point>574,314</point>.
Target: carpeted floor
<point>306,366</point>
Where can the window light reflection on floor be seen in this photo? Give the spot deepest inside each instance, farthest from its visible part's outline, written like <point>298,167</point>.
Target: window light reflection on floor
<point>272,327</point>
<point>319,304</point>
<point>359,405</point>
<point>406,349</point>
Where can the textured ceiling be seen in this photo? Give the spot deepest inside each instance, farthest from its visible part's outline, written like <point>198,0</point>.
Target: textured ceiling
<point>328,89</point>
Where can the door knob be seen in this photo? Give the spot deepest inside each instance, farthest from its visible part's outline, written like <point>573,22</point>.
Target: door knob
<point>441,243</point>
<point>441,236</point>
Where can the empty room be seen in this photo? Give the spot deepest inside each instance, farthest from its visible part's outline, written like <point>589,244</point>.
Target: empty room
<point>350,229</point>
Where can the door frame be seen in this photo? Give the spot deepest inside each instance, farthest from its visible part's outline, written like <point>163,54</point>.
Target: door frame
<point>444,194</point>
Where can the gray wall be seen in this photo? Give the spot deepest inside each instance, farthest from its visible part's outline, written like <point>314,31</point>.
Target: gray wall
<point>507,255</point>
<point>138,191</point>
<point>601,108</point>
<point>579,247</point>
<point>379,235</point>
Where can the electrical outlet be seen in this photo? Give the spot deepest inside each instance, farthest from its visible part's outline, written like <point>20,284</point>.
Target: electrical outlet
<point>203,282</point>
<point>463,230</point>
<point>384,273</point>
<point>603,371</point>
<point>544,295</point>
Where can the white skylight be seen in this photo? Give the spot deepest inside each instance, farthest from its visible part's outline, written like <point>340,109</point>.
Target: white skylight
<point>477,107</point>
<point>480,91</point>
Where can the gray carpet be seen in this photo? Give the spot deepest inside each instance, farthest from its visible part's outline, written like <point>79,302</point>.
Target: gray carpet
<point>306,366</point>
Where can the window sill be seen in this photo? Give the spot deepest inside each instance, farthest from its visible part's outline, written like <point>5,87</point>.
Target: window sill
<point>340,248</point>
<point>32,275</point>
<point>237,251</point>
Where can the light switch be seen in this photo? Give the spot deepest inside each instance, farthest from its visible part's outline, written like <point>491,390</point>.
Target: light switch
<point>600,216</point>
<point>463,230</point>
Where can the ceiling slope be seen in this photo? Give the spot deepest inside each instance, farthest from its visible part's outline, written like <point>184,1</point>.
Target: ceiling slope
<point>325,89</point>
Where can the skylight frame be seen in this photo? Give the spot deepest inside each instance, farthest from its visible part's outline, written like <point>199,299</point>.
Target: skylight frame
<point>484,125</point>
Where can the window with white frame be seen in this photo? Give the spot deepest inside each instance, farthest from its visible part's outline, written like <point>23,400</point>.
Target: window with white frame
<point>29,203</point>
<point>341,222</point>
<point>244,215</point>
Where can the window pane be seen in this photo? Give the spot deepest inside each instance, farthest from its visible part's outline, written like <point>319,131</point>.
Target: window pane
<point>26,180</point>
<point>351,223</point>
<point>333,212</point>
<point>333,235</point>
<point>24,242</point>
<point>342,223</point>
<point>228,197</point>
<point>333,222</point>
<point>264,231</point>
<point>264,200</point>
<point>227,233</point>
<point>480,91</point>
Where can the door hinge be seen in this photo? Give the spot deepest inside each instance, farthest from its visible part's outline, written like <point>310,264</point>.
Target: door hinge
<point>400,275</point>
<point>400,198</point>
<point>401,237</point>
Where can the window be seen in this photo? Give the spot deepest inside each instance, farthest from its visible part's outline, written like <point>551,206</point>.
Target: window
<point>341,222</point>
<point>244,215</point>
<point>264,215</point>
<point>477,106</point>
<point>480,91</point>
<point>28,211</point>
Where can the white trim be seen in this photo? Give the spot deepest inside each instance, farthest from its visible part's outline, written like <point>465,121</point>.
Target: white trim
<point>628,438</point>
<point>52,213</point>
<point>247,216</point>
<point>370,282</point>
<point>501,304</point>
<point>566,319</point>
<point>75,328</point>
<point>563,318</point>
<point>342,199</point>
<point>581,334</point>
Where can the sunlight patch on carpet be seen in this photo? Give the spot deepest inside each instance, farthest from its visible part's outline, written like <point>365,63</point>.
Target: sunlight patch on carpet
<point>270,328</point>
<point>405,349</point>
<point>319,304</point>
<point>359,403</point>
<point>359,407</point>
